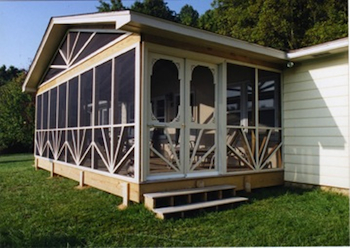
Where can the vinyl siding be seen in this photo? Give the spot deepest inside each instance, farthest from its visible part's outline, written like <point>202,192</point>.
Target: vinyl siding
<point>316,122</point>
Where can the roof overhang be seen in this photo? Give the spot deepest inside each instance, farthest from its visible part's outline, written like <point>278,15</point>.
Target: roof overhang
<point>140,23</point>
<point>137,23</point>
<point>143,24</point>
<point>52,38</point>
<point>324,49</point>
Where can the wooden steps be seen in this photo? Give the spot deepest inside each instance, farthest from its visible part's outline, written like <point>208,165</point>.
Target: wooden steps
<point>182,203</point>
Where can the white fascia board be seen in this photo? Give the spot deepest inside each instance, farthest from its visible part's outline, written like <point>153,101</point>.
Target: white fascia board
<point>168,26</point>
<point>123,18</point>
<point>328,47</point>
<point>107,17</point>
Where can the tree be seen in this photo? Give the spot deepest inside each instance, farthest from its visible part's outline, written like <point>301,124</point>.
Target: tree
<point>282,24</point>
<point>157,8</point>
<point>189,16</point>
<point>329,21</point>
<point>17,116</point>
<point>7,74</point>
<point>208,21</point>
<point>115,5</point>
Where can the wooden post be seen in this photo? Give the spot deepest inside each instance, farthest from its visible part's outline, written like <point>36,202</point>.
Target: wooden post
<point>125,190</point>
<point>52,173</point>
<point>247,184</point>
<point>81,179</point>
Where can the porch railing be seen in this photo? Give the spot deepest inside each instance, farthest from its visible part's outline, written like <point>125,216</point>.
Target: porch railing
<point>251,148</point>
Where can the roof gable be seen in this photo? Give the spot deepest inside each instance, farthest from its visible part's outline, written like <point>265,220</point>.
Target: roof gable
<point>76,46</point>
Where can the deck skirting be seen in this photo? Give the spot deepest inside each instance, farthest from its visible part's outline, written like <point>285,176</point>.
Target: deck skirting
<point>135,191</point>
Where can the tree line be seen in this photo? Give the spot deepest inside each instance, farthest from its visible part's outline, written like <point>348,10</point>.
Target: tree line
<point>281,24</point>
<point>16,112</point>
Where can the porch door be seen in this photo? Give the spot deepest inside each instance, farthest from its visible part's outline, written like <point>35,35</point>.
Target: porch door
<point>181,119</point>
<point>200,118</point>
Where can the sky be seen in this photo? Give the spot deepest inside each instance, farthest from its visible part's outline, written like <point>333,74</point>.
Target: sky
<point>23,23</point>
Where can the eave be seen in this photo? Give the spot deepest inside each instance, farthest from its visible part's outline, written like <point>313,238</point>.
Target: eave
<point>146,25</point>
<point>137,23</point>
<point>324,49</point>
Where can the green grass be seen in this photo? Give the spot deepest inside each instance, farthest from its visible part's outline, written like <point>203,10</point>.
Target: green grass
<point>36,211</point>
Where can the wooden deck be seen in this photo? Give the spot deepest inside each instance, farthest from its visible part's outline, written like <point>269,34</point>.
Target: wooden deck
<point>134,192</point>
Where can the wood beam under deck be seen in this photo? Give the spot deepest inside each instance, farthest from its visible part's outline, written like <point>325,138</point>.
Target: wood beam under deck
<point>116,186</point>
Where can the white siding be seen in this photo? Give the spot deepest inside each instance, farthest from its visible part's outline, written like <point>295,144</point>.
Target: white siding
<point>316,122</point>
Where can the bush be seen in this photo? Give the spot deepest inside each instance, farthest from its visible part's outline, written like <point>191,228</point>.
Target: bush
<point>17,117</point>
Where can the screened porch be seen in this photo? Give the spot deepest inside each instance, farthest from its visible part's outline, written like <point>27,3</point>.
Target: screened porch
<point>188,119</point>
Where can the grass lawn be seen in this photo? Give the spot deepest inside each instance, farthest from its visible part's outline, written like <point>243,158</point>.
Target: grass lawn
<point>39,212</point>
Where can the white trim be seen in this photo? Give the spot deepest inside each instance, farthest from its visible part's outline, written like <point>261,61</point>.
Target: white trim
<point>105,17</point>
<point>137,115</point>
<point>256,160</point>
<point>179,62</point>
<point>113,151</point>
<point>328,47</point>
<point>144,92</point>
<point>70,62</point>
<point>222,116</point>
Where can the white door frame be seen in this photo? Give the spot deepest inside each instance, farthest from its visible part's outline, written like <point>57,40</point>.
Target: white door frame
<point>190,66</point>
<point>185,67</point>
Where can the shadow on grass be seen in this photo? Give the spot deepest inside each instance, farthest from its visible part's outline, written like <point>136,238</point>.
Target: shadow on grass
<point>15,158</point>
<point>273,192</point>
<point>16,161</point>
<point>254,196</point>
